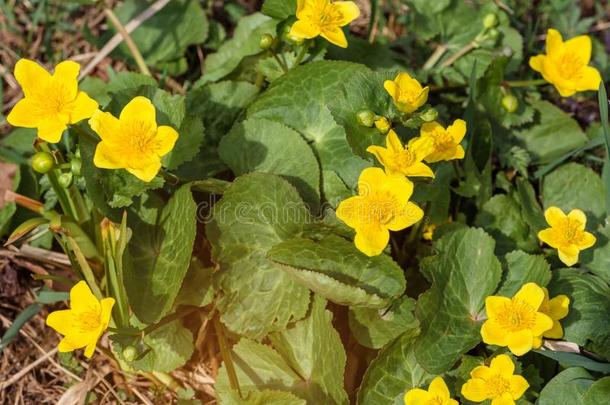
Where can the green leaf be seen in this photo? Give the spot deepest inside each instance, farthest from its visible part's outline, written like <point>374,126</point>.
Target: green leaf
<point>553,135</point>
<point>450,311</point>
<point>597,260</point>
<point>163,38</point>
<point>335,269</point>
<point>425,7</point>
<point>587,322</point>
<point>280,9</point>
<point>524,268</point>
<point>393,372</point>
<point>575,186</point>
<point>245,42</point>
<point>567,387</point>
<point>567,359</point>
<point>257,212</point>
<point>197,288</point>
<point>307,360</point>
<point>598,393</point>
<point>270,147</point>
<point>375,328</point>
<point>159,257</point>
<point>603,112</point>
<point>264,397</point>
<point>171,347</point>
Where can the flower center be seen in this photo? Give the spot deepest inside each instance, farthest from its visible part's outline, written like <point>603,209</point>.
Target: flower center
<point>324,14</point>
<point>408,94</point>
<point>89,320</point>
<point>140,135</point>
<point>379,208</point>
<point>569,66</point>
<point>436,400</point>
<point>497,385</point>
<point>405,159</point>
<point>571,232</point>
<point>517,315</point>
<point>443,142</point>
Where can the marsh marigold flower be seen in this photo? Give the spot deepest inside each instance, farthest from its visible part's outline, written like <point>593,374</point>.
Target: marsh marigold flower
<point>407,93</point>
<point>407,161</point>
<point>517,323</point>
<point>567,234</point>
<point>496,382</point>
<point>556,308</point>
<point>52,101</point>
<point>446,142</point>
<point>132,142</point>
<point>565,64</point>
<point>382,205</point>
<point>84,323</point>
<point>324,18</point>
<point>437,394</point>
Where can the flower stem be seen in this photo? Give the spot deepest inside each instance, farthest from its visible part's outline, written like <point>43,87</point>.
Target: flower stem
<point>135,52</point>
<point>463,51</point>
<point>226,355</point>
<point>302,53</point>
<point>525,83</point>
<point>434,58</point>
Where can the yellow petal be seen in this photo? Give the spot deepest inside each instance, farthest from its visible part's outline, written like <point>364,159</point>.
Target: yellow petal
<point>31,76</point>
<point>21,115</point>
<point>520,342</point>
<point>351,211</point>
<point>559,307</point>
<point>537,342</point>
<point>84,107</point>
<point>404,80</point>
<point>457,131</point>
<point>392,141</point>
<point>554,42</point>
<point>90,348</point>
<point>587,241</point>
<point>419,170</point>
<point>481,372</point>
<point>107,158</point>
<point>549,236</point>
<point>542,323</point>
<point>381,154</point>
<point>423,97</point>
<point>50,129</point>
<point>578,215</point>
<point>518,386</point>
<point>493,333</point>
<point>502,365</point>
<point>417,396</point>
<point>581,47</point>
<point>554,216</point>
<point>61,321</point>
<point>408,216</point>
<point>537,62</point>
<point>390,87</point>
<point>304,29</point>
<point>139,109</point>
<point>335,36</point>
<point>166,139</point>
<point>398,186</point>
<point>439,388</point>
<point>556,332</point>
<point>146,173</point>
<point>82,299</point>
<point>475,390</point>
<point>371,240</point>
<point>106,305</point>
<point>459,153</point>
<point>504,399</point>
<point>496,305</point>
<point>590,80</point>
<point>565,91</point>
<point>107,126</point>
<point>69,344</point>
<point>568,255</point>
<point>532,294</point>
<point>66,77</point>
<point>431,128</point>
<point>370,180</point>
<point>349,11</point>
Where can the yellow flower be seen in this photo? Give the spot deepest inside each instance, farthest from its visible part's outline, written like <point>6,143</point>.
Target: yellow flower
<point>133,141</point>
<point>496,382</point>
<point>518,322</point>
<point>407,161</point>
<point>567,234</point>
<point>324,18</point>
<point>556,308</point>
<point>565,64</point>
<point>446,141</point>
<point>407,93</point>
<point>381,206</point>
<point>437,394</point>
<point>84,323</point>
<point>51,102</point>
<point>428,233</point>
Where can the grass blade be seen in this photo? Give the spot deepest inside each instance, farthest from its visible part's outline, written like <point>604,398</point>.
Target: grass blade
<point>603,112</point>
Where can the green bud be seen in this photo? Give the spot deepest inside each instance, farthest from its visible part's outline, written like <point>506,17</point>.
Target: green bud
<point>493,34</point>
<point>294,40</point>
<point>42,162</point>
<point>510,103</point>
<point>130,353</point>
<point>65,179</point>
<point>75,166</point>
<point>429,115</point>
<point>366,118</point>
<point>383,125</point>
<point>266,41</point>
<point>490,20</point>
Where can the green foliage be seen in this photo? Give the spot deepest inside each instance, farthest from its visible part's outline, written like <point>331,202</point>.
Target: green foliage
<point>569,386</point>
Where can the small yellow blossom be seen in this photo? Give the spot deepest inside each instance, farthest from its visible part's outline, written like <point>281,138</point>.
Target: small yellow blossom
<point>406,161</point>
<point>428,233</point>
<point>556,308</point>
<point>84,323</point>
<point>52,101</point>
<point>437,394</point>
<point>565,64</point>
<point>496,382</point>
<point>446,141</point>
<point>518,322</point>
<point>382,205</point>
<point>133,141</point>
<point>407,93</point>
<point>567,234</point>
<point>324,18</point>
<point>383,125</point>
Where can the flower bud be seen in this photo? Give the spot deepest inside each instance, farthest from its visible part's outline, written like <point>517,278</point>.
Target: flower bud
<point>266,41</point>
<point>75,166</point>
<point>42,162</point>
<point>130,353</point>
<point>429,115</point>
<point>510,103</point>
<point>65,179</point>
<point>366,118</point>
<point>493,34</point>
<point>490,21</point>
<point>383,125</point>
